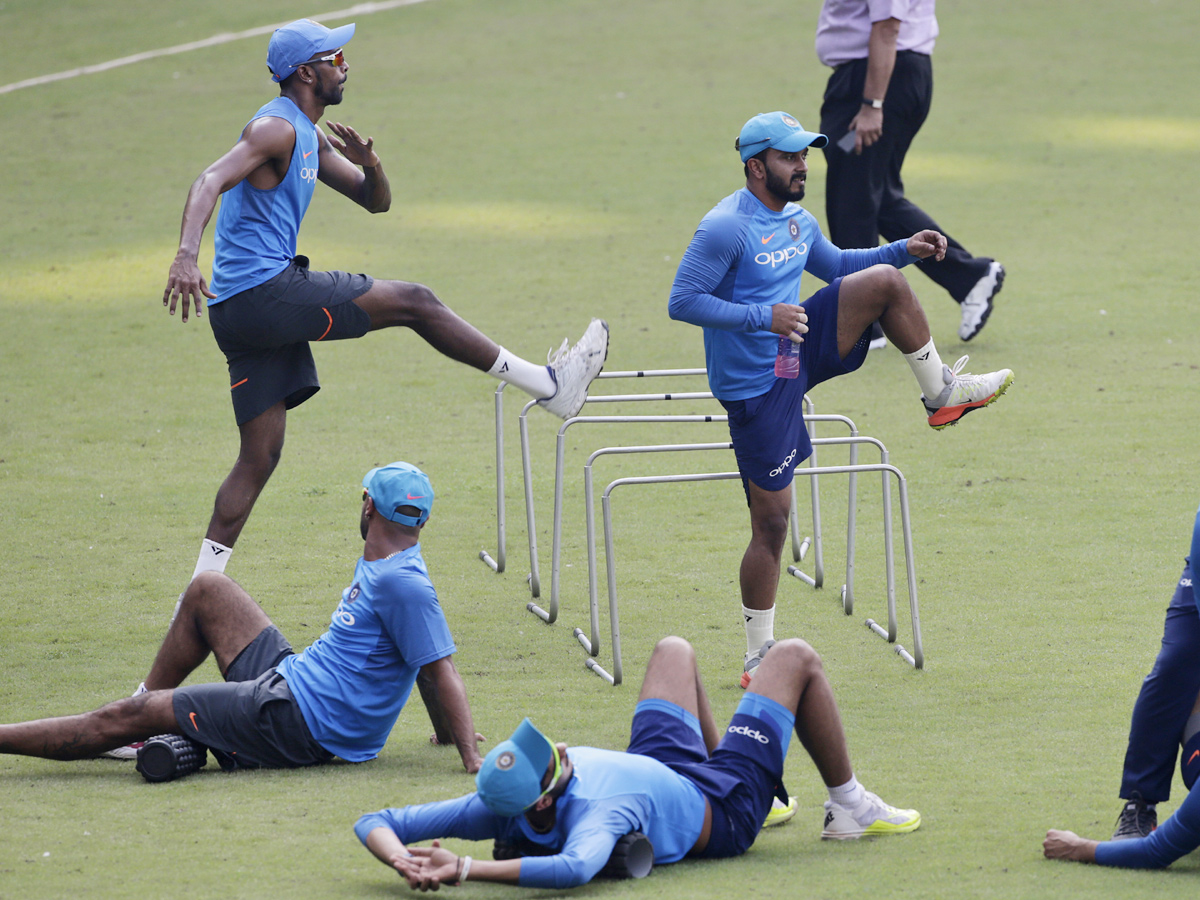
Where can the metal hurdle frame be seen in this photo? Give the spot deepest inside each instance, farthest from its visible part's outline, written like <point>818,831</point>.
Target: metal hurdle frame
<point>551,615</point>
<point>916,659</point>
<point>498,562</point>
<point>591,642</point>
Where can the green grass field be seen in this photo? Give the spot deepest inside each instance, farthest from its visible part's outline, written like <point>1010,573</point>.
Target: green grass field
<point>549,162</point>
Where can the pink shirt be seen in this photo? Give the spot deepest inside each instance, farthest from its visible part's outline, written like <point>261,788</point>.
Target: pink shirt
<point>844,27</point>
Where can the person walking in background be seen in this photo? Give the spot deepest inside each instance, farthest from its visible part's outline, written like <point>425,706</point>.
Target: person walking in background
<point>875,102</point>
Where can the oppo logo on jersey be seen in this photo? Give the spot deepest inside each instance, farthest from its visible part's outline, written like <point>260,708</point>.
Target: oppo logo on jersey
<point>308,174</point>
<point>752,733</point>
<point>779,257</point>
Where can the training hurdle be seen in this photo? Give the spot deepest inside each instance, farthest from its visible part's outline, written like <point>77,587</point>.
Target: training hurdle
<point>498,562</point>
<point>551,615</point>
<point>799,547</point>
<point>916,659</point>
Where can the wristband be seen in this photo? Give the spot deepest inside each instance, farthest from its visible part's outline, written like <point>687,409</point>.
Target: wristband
<point>466,868</point>
<point>874,104</point>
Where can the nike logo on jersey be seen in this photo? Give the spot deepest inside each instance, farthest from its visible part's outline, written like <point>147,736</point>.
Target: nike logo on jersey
<point>767,238</point>
<point>1195,753</point>
<point>306,155</point>
<point>192,716</point>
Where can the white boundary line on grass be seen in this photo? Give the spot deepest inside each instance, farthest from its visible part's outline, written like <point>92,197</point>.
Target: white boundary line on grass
<point>361,9</point>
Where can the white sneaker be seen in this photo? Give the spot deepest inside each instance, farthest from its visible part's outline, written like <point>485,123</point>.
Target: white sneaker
<point>964,393</point>
<point>977,305</point>
<point>574,369</point>
<point>872,817</point>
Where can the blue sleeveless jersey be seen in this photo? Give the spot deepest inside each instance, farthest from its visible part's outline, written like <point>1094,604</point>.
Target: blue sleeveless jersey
<point>256,230</point>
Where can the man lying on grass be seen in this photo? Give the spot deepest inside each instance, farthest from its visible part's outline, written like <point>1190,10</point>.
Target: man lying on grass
<point>277,708</point>
<point>690,789</point>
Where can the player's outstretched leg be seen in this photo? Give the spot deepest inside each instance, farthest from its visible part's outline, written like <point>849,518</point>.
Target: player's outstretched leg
<point>560,386</point>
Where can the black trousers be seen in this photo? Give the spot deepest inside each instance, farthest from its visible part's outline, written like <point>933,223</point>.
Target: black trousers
<point>864,195</point>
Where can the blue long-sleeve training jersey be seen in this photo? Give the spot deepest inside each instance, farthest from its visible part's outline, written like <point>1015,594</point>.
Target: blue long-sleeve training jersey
<point>611,794</point>
<point>744,259</point>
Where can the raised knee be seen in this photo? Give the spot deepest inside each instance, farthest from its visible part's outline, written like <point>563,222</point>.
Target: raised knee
<point>798,653</point>
<point>675,645</point>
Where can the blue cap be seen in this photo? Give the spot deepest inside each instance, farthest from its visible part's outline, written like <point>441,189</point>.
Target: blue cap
<point>396,485</point>
<point>777,130</point>
<point>510,780</point>
<point>297,42</point>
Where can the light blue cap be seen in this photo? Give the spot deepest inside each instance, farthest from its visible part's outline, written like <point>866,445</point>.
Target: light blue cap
<point>510,780</point>
<point>777,130</point>
<point>400,484</point>
<point>297,42</point>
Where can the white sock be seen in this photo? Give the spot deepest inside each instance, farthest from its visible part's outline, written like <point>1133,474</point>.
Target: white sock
<point>533,379</point>
<point>213,557</point>
<point>141,689</point>
<point>760,627</point>
<point>848,795</point>
<point>927,366</point>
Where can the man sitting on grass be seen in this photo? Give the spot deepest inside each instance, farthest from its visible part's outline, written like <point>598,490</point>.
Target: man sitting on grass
<point>277,708</point>
<point>690,789</point>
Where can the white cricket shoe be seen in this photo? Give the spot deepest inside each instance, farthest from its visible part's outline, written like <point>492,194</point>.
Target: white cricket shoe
<point>872,817</point>
<point>574,368</point>
<point>964,393</point>
<point>977,305</point>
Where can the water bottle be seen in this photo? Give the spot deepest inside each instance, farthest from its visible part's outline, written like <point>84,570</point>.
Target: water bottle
<point>787,362</point>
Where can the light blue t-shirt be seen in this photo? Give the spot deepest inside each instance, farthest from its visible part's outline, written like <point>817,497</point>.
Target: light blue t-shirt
<point>352,681</point>
<point>744,259</point>
<point>611,794</point>
<point>255,237</point>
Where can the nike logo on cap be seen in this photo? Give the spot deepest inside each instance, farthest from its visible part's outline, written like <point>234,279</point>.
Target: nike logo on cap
<point>417,497</point>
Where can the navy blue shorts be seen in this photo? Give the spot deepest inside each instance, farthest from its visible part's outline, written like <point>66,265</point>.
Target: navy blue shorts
<point>264,333</point>
<point>250,720</point>
<point>739,779</point>
<point>768,433</point>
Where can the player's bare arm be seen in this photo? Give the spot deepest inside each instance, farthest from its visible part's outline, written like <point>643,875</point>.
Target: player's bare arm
<point>262,156</point>
<point>355,170</point>
<point>448,701</point>
<point>927,243</point>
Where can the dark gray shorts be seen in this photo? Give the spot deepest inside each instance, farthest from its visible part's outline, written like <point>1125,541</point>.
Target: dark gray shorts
<point>250,720</point>
<point>264,333</point>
